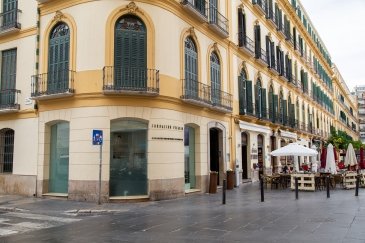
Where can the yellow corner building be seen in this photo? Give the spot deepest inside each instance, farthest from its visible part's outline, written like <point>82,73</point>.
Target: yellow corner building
<point>180,89</point>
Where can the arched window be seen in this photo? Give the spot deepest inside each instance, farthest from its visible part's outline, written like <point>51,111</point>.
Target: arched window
<point>260,100</point>
<point>291,112</point>
<point>283,109</point>
<point>58,59</point>
<point>130,53</point>
<point>245,94</point>
<point>215,78</point>
<point>6,150</point>
<point>191,69</point>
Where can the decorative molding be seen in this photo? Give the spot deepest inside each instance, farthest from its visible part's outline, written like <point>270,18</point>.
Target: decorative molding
<point>132,7</point>
<point>191,32</point>
<point>58,16</point>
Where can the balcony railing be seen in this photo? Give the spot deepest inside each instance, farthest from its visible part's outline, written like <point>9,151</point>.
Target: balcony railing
<point>9,100</point>
<point>218,22</point>
<point>53,84</point>
<point>246,43</point>
<point>261,56</point>
<point>260,4</point>
<point>9,20</point>
<point>131,80</point>
<point>221,99</point>
<point>203,95</point>
<point>198,7</point>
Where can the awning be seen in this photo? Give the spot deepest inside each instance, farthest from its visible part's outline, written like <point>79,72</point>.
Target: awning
<point>245,126</point>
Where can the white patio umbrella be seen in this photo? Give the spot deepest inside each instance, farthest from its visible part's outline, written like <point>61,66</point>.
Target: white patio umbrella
<point>330,160</point>
<point>294,149</point>
<point>350,158</point>
<point>314,160</point>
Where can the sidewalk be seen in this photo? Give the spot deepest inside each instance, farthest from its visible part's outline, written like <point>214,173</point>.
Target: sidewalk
<point>203,218</point>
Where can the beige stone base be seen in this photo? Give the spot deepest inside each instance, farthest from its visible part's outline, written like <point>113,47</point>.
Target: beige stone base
<point>88,191</point>
<point>166,188</point>
<point>17,184</point>
<point>202,183</point>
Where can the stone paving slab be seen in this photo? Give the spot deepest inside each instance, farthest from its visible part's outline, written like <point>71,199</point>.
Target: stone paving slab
<point>203,218</point>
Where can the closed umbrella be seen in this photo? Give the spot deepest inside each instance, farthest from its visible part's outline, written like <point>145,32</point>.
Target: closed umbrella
<point>323,157</point>
<point>362,162</point>
<point>350,159</point>
<point>330,160</point>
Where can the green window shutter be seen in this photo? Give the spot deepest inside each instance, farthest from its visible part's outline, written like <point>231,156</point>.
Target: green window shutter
<point>285,111</point>
<point>249,96</point>
<point>271,105</point>
<point>8,77</point>
<point>58,59</point>
<point>276,107</point>
<point>292,115</point>
<point>9,12</point>
<point>191,69</point>
<point>215,77</point>
<point>263,102</point>
<point>241,28</point>
<point>257,101</point>
<point>242,94</point>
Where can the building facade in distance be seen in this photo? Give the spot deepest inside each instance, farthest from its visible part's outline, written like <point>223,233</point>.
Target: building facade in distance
<point>360,94</point>
<point>180,88</point>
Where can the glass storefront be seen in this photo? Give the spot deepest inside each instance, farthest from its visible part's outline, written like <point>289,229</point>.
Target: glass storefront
<point>189,157</point>
<point>128,162</point>
<point>59,159</point>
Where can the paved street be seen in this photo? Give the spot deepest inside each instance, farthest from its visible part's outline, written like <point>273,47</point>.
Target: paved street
<point>195,218</point>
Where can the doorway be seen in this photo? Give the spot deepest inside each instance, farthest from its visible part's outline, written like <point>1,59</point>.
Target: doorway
<point>216,147</point>
<point>59,159</point>
<point>245,161</point>
<point>189,157</point>
<point>128,162</point>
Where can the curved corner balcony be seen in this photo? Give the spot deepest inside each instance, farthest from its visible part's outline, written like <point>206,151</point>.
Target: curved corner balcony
<point>205,96</point>
<point>199,8</point>
<point>131,81</point>
<point>53,85</point>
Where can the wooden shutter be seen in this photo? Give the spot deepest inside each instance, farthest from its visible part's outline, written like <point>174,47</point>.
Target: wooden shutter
<point>8,77</point>
<point>242,94</point>
<point>271,105</point>
<point>285,108</point>
<point>276,107</point>
<point>257,101</point>
<point>257,41</point>
<point>249,96</point>
<point>278,59</point>
<point>263,102</point>
<point>241,28</point>
<point>272,51</point>
<point>268,52</point>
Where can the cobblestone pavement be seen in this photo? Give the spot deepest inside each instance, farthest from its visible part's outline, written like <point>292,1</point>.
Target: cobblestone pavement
<point>194,218</point>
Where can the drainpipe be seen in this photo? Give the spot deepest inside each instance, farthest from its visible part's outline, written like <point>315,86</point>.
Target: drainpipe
<point>37,58</point>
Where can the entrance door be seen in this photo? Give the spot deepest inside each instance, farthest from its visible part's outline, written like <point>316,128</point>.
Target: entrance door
<point>59,160</point>
<point>128,162</point>
<point>189,146</point>
<point>244,155</point>
<point>214,151</point>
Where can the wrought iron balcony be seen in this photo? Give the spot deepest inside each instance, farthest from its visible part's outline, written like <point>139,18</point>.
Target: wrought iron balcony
<point>53,85</point>
<point>289,38</point>
<point>199,8</point>
<point>204,95</point>
<point>9,21</point>
<point>246,44</point>
<point>134,81</point>
<point>9,100</point>
<point>280,29</point>
<point>271,17</point>
<point>260,5</point>
<point>221,100</point>
<point>218,22</point>
<point>261,56</point>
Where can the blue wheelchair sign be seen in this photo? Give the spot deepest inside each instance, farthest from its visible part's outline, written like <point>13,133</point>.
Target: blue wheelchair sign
<point>97,137</point>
